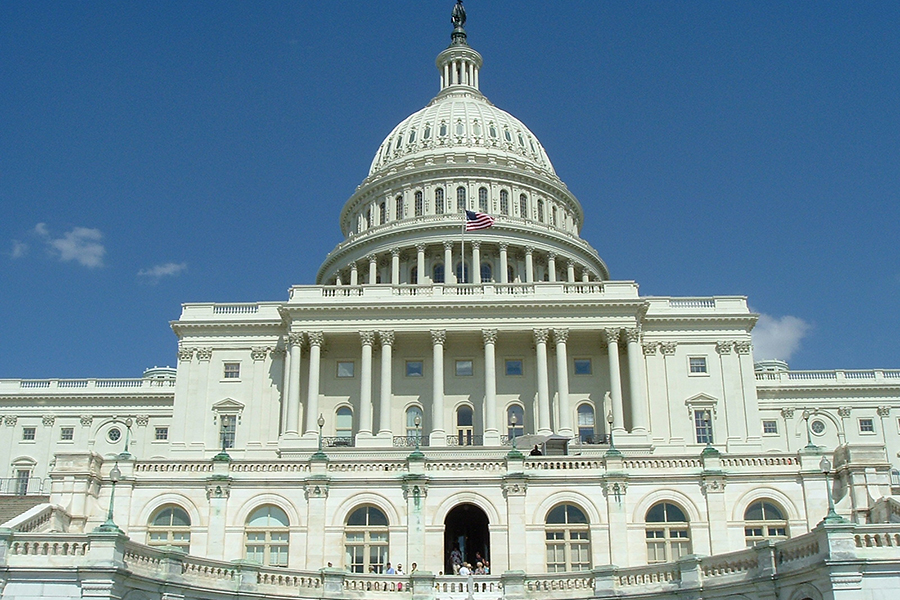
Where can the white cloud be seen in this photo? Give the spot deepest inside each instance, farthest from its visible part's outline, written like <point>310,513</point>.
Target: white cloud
<point>160,271</point>
<point>81,244</point>
<point>19,249</point>
<point>775,337</point>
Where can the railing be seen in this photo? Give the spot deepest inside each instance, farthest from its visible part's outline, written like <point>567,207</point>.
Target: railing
<point>465,440</point>
<point>40,518</point>
<point>827,376</point>
<point>409,441</point>
<point>692,303</point>
<point>81,384</point>
<point>236,309</point>
<point>24,486</point>
<point>337,441</point>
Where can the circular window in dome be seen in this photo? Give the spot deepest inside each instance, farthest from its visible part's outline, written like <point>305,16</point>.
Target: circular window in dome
<point>114,434</point>
<point>817,427</point>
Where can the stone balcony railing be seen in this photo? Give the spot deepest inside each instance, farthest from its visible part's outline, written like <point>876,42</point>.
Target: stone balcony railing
<point>825,378</point>
<point>829,548</point>
<point>21,387</point>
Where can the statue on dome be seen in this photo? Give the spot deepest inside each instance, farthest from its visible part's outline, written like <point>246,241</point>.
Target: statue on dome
<point>458,16</point>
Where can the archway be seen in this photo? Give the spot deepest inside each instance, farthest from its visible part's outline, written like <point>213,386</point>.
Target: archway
<point>466,528</point>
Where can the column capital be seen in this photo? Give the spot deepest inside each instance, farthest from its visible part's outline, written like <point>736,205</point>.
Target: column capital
<point>420,247</point>
<point>448,245</point>
<point>504,246</point>
<point>529,250</point>
<point>633,335</point>
<point>371,258</point>
<point>489,335</point>
<point>476,244</point>
<point>724,347</point>
<point>386,337</point>
<point>560,336</point>
<point>668,348</point>
<point>649,348</point>
<point>787,412</point>
<point>316,338</point>
<point>612,335</point>
<point>185,353</point>
<point>540,336</point>
<point>258,354</point>
<point>551,256</point>
<point>204,353</point>
<point>296,338</point>
<point>742,347</point>
<point>353,266</point>
<point>367,338</point>
<point>438,336</point>
<point>395,252</point>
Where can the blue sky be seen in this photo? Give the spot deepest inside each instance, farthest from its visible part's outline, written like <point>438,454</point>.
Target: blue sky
<point>166,152</point>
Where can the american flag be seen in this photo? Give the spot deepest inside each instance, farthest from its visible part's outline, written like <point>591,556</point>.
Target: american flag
<point>477,220</point>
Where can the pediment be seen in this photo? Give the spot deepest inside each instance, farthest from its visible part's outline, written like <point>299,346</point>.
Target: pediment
<point>228,405</point>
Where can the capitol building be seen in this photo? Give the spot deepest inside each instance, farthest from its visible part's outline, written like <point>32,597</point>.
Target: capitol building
<point>441,397</point>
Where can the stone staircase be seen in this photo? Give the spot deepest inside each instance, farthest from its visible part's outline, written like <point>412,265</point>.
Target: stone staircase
<point>13,506</point>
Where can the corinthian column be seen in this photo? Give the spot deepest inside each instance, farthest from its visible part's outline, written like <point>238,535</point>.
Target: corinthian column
<point>449,272</point>
<point>420,265</point>
<point>384,417</point>
<point>476,261</point>
<point>292,420</point>
<point>551,267</point>
<point>543,384</point>
<point>395,266</point>
<point>354,274</point>
<point>373,269</point>
<point>316,339</point>
<point>438,435</point>
<point>529,264</point>
<point>367,338</point>
<point>639,414</point>
<point>615,380</point>
<point>491,434</point>
<point>560,336</point>
<point>504,262</point>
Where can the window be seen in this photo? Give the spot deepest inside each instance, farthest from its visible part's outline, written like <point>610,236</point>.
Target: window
<point>113,435</point>
<point>368,218</point>
<point>492,130</point>
<point>583,366</point>
<point>476,128</point>
<point>227,424</point>
<point>514,367</point>
<point>465,430</point>
<point>460,276</point>
<point>414,368</point>
<point>764,521</point>
<point>343,423</point>
<point>170,527</point>
<point>668,534</point>
<point>419,205</point>
<point>504,202</point>
<point>382,213</point>
<point>67,434</point>
<point>411,430</point>
<point>232,371</point>
<point>483,200</point>
<point>366,540</point>
<point>817,427</point>
<point>398,208</point>
<point>23,477</point>
<point>523,206</point>
<point>507,135</point>
<point>443,129</point>
<point>770,427</point>
<point>568,540</point>
<point>464,368</point>
<point>437,273</point>
<point>28,433</point>
<point>162,433</point>
<point>703,426</point>
<point>586,424</point>
<point>460,128</point>
<point>426,135</point>
<point>516,430</point>
<point>399,141</point>
<point>697,365</point>
<point>460,199</point>
<point>414,275</point>
<point>487,272</point>
<point>553,216</point>
<point>345,368</point>
<point>866,426</point>
<point>267,536</point>
<point>439,201</point>
<point>540,208</point>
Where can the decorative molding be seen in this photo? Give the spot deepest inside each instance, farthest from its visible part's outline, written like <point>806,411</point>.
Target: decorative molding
<point>204,353</point>
<point>489,336</point>
<point>633,335</point>
<point>296,338</point>
<point>86,420</point>
<point>315,489</point>
<point>10,420</point>
<point>438,336</point>
<point>884,411</point>
<point>316,338</point>
<point>540,336</point>
<point>668,348</point>
<point>48,420</point>
<point>420,247</point>
<point>649,348</point>
<point>724,347</point>
<point>367,338</point>
<point>844,411</point>
<point>142,420</point>
<point>476,244</point>
<point>712,482</point>
<point>742,347</point>
<point>258,354</point>
<point>514,485</point>
<point>416,489</point>
<point>218,487</point>
<point>448,245</point>
<point>185,353</point>
<point>616,488</point>
<point>612,335</point>
<point>787,412</point>
<point>560,336</point>
<point>395,253</point>
<point>386,338</point>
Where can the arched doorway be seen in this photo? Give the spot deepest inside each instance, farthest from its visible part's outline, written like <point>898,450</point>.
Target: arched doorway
<point>466,528</point>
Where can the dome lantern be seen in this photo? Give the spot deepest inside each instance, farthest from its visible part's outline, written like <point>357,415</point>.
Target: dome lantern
<point>459,64</point>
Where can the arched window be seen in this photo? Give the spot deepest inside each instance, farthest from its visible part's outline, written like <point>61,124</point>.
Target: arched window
<point>540,211</point>
<point>427,133</point>
<point>465,431</point>
<point>510,274</point>
<point>439,201</point>
<point>517,430</point>
<point>492,130</point>
<point>382,213</point>
<point>170,526</point>
<point>443,129</point>
<point>504,202</point>
<point>482,199</point>
<point>414,275</point>
<point>412,136</point>
<point>398,209</point>
<point>369,218</point>
<point>267,536</point>
<point>438,273</point>
<point>486,271</point>
<point>411,430</point>
<point>523,206</point>
<point>668,533</point>
<point>476,128</point>
<point>460,128</point>
<point>553,216</point>
<point>343,423</point>
<point>586,423</point>
<point>568,539</point>
<point>419,204</point>
<point>763,520</point>
<point>366,540</point>
<point>460,276</point>
<point>460,199</point>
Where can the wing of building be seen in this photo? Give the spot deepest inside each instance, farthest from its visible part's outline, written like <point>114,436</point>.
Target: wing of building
<point>442,397</point>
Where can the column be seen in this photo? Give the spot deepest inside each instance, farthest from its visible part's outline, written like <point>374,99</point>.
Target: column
<point>551,266</point>
<point>585,275</point>
<point>529,264</point>
<point>615,380</point>
<point>367,338</point>
<point>373,269</point>
<point>354,275</point>
<point>395,266</point>
<point>449,273</point>
<point>491,434</point>
<point>543,385</point>
<point>564,427</point>
<point>438,435</point>
<point>420,265</point>
<point>504,262</point>
<point>639,414</point>
<point>316,338</point>
<point>384,417</point>
<point>337,279</point>
<point>476,262</point>
<point>570,271</point>
<point>292,420</point>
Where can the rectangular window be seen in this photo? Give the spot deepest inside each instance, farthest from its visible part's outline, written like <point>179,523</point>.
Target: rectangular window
<point>866,426</point>
<point>23,476</point>
<point>583,366</point>
<point>464,368</point>
<point>67,434</point>
<point>703,426</point>
<point>697,365</point>
<point>345,368</point>
<point>226,430</point>
<point>162,433</point>
<point>414,368</point>
<point>28,433</point>
<point>514,367</point>
<point>770,427</point>
<point>232,371</point>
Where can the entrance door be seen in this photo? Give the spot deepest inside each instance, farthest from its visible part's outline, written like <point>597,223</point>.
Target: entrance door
<point>466,529</point>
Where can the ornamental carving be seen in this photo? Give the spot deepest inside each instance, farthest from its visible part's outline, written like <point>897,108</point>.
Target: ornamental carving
<point>489,335</point>
<point>185,353</point>
<point>86,420</point>
<point>296,339</point>
<point>633,335</point>
<point>415,489</point>
<point>514,485</point>
<point>386,337</point>
<point>668,348</point>
<point>204,353</point>
<point>476,244</point>
<point>612,335</point>
<point>649,348</point>
<point>367,338</point>
<point>142,420</point>
<point>218,487</point>
<point>560,336</point>
<point>884,411</point>
<point>316,338</point>
<point>844,411</point>
<point>395,252</point>
<point>448,245</point>
<point>540,336</point>
<point>528,250</point>
<point>48,420</point>
<point>258,353</point>
<point>712,483</point>
<point>371,258</point>
<point>615,488</point>
<point>315,489</point>
<point>504,246</point>
<point>420,247</point>
<point>438,336</point>
<point>10,420</point>
<point>742,347</point>
<point>724,347</point>
<point>787,413</point>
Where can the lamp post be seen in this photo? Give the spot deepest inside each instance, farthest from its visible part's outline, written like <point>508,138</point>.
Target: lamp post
<point>125,454</point>
<point>707,422</point>
<point>320,455</point>
<point>110,526</point>
<point>809,444</point>
<point>832,516</point>
<point>418,422</point>
<point>514,453</point>
<point>612,447</point>
<point>417,453</point>
<point>223,455</point>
